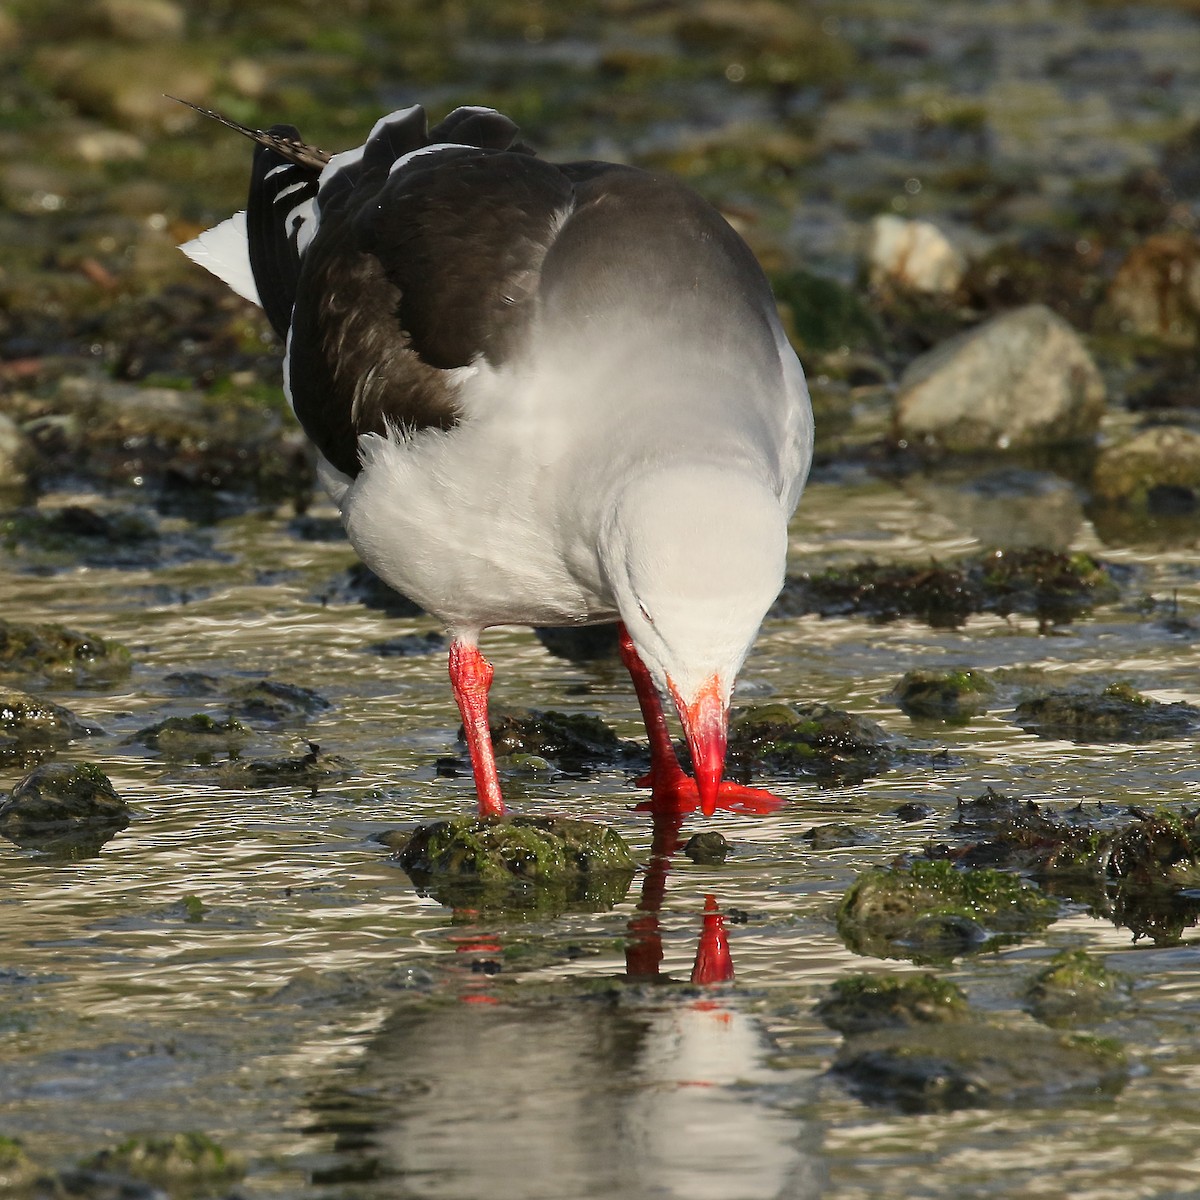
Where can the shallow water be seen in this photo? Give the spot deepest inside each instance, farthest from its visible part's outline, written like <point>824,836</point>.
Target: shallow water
<point>352,1038</point>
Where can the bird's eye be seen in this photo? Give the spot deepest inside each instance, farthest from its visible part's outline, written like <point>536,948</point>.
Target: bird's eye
<point>645,613</point>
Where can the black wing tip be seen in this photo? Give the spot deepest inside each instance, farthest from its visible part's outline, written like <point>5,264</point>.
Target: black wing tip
<point>291,148</point>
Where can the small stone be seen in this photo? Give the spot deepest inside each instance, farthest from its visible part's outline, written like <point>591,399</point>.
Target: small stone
<point>108,146</point>
<point>198,737</point>
<point>28,723</point>
<point>1077,987</point>
<point>708,848</point>
<point>1156,292</point>
<point>1119,713</point>
<point>955,695</point>
<point>976,1064</point>
<point>859,1003</point>
<point>834,835</point>
<point>53,652</point>
<point>1164,458</point>
<point>931,911</point>
<point>1021,379</point>
<point>914,255</point>
<point>274,700</point>
<point>61,806</point>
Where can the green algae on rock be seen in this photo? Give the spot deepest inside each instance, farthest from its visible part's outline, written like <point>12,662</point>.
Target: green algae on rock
<point>545,864</point>
<point>976,1064</point>
<point>54,653</point>
<point>188,1164</point>
<point>808,739</point>
<point>313,770</point>
<point>953,695</point>
<point>196,738</point>
<point>1076,987</point>
<point>1119,713</point>
<point>932,911</point>
<point>868,1001</point>
<point>63,808</point>
<point>274,700</point>
<point>1049,585</point>
<point>29,726</point>
<point>707,848</point>
<point>572,741</point>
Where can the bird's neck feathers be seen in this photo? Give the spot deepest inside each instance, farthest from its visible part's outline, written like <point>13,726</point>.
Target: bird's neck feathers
<point>694,554</point>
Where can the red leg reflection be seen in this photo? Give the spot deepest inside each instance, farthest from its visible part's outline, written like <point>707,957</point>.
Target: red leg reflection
<point>714,963</point>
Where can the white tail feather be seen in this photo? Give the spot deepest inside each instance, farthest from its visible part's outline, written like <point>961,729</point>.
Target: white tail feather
<point>225,251</point>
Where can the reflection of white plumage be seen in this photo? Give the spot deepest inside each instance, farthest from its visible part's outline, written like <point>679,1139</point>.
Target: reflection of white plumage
<point>542,394</point>
<point>487,1101</point>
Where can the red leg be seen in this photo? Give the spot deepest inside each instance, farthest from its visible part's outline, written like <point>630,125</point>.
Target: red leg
<point>672,791</point>
<point>471,676</point>
<point>714,963</point>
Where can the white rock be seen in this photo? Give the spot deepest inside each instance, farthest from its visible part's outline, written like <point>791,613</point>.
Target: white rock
<point>916,255</point>
<point>1022,379</point>
<point>108,145</point>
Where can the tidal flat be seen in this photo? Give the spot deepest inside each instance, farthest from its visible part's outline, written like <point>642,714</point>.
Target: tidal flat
<point>216,977</point>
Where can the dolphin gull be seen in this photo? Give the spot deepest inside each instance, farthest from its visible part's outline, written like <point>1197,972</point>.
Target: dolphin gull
<point>542,394</point>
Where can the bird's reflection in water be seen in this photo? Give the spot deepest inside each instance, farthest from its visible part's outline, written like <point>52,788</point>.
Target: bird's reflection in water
<point>565,1092</point>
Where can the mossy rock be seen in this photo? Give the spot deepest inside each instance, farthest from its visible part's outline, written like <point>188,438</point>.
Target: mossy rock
<point>954,695</point>
<point>975,1064</point>
<point>1049,585</point>
<point>28,723</point>
<point>1117,714</point>
<point>708,848</point>
<point>196,738</point>
<point>572,741</point>
<point>820,314</point>
<point>313,770</point>
<point>932,911</point>
<point>544,864</point>
<point>1076,987</point>
<point>53,652</point>
<point>816,740</point>
<point>868,1001</point>
<point>273,700</point>
<point>63,808</point>
<point>187,1164</point>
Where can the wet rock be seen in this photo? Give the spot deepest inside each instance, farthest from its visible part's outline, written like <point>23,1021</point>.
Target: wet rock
<point>708,848</point>
<point>1076,987</point>
<point>808,739</point>
<point>931,911</point>
<point>1051,586</point>
<point>196,738</point>
<point>273,700</point>
<point>75,535</point>
<point>182,1162</point>
<point>914,812</point>
<point>835,835</point>
<point>1155,469</point>
<point>869,1001</point>
<point>913,255</point>
<point>15,454</point>
<point>313,770</point>
<point>29,726</point>
<point>1140,873</point>
<point>63,808</point>
<point>544,864</point>
<point>409,645</point>
<point>360,585</point>
<point>53,653</point>
<point>936,1068</point>
<point>585,643</point>
<point>571,741</point>
<point>1117,714</point>
<point>943,695</point>
<point>1157,290</point>
<point>1021,379</point>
